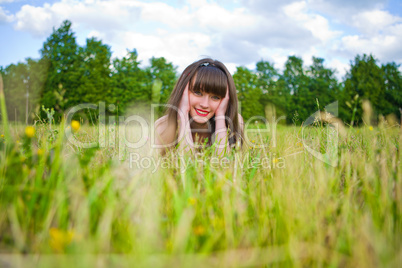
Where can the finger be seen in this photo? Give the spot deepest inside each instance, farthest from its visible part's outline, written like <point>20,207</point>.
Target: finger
<point>227,93</point>
<point>186,94</point>
<point>186,91</point>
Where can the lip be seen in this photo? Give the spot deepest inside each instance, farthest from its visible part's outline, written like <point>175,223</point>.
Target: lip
<point>199,114</point>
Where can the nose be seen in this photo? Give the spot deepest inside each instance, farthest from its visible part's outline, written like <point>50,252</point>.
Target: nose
<point>204,102</point>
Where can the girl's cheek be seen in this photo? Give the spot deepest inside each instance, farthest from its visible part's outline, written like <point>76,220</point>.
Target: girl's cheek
<point>216,105</point>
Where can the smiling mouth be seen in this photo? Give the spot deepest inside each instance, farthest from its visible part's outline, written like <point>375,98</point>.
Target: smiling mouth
<point>201,112</point>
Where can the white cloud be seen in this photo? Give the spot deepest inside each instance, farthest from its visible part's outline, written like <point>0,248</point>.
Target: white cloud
<point>380,34</point>
<point>340,11</point>
<point>96,34</point>
<point>197,3</point>
<point>215,18</point>
<point>340,67</point>
<point>386,47</point>
<point>105,16</point>
<point>267,7</point>
<point>4,17</point>
<point>185,32</point>
<point>374,21</point>
<point>179,48</point>
<point>240,35</point>
<point>36,20</point>
<point>162,12</point>
<point>316,24</point>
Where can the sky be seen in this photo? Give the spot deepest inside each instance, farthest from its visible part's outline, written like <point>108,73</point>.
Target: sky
<point>238,33</point>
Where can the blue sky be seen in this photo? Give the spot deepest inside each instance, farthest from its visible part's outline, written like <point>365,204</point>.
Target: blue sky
<point>238,32</point>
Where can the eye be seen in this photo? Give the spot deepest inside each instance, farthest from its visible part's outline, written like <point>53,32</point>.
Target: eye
<point>197,93</point>
<point>216,97</point>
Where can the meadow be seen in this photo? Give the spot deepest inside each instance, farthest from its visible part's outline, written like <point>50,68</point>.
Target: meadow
<point>290,197</point>
<point>276,206</point>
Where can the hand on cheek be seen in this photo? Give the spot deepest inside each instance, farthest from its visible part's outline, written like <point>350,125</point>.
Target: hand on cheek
<point>221,110</point>
<point>184,105</point>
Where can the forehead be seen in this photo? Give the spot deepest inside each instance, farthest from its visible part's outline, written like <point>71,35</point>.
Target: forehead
<point>210,80</point>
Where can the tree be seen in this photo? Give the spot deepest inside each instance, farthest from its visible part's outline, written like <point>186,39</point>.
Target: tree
<point>129,82</point>
<point>95,80</point>
<point>15,87</point>
<point>249,93</point>
<point>367,81</point>
<point>61,53</point>
<point>393,88</point>
<point>23,84</point>
<point>274,97</point>
<point>166,73</point>
<point>322,84</point>
<point>296,81</point>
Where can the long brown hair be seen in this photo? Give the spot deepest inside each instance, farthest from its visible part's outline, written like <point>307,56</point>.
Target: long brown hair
<point>210,76</point>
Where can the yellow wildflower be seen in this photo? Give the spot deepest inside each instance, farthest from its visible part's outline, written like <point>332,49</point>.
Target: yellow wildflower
<point>40,152</point>
<point>253,141</point>
<point>192,201</point>
<point>371,128</point>
<point>75,125</point>
<point>199,230</point>
<point>2,136</point>
<point>59,239</point>
<point>218,223</point>
<point>275,160</point>
<point>30,131</point>
<point>299,144</point>
<point>169,244</point>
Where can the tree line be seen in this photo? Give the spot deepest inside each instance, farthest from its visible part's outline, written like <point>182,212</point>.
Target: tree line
<point>67,74</point>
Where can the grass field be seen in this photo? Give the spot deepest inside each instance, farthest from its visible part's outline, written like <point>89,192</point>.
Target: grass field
<point>277,206</point>
<point>308,198</point>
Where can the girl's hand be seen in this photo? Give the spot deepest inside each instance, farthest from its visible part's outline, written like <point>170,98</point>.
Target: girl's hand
<point>221,110</point>
<point>184,105</point>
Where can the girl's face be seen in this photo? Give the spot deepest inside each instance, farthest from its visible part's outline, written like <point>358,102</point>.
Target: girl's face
<point>203,105</point>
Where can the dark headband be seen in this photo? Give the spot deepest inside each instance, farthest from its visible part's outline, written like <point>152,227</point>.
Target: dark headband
<point>207,64</point>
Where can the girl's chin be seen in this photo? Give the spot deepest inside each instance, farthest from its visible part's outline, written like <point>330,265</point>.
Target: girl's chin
<point>200,119</point>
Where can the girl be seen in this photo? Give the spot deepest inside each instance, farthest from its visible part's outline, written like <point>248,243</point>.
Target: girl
<point>202,109</point>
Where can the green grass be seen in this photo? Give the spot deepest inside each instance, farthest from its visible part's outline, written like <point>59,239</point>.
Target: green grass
<point>299,212</point>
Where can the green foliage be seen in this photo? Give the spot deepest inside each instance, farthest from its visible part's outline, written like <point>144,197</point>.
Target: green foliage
<point>278,205</point>
<point>156,90</point>
<point>297,82</point>
<point>23,84</point>
<point>393,88</point>
<point>15,78</point>
<point>293,92</point>
<point>380,85</point>
<point>57,200</point>
<point>68,74</point>
<point>249,94</point>
<point>165,72</point>
<point>322,82</point>
<point>128,82</point>
<point>95,81</point>
<point>275,95</point>
<point>61,53</point>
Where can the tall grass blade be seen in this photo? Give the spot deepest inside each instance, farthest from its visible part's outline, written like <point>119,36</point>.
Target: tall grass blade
<point>3,109</point>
